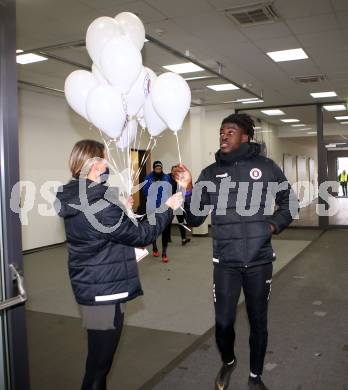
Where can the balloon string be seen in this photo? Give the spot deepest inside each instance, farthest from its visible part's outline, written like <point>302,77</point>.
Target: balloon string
<point>110,158</point>
<point>141,134</point>
<point>177,142</point>
<point>179,152</point>
<point>147,154</point>
<point>136,148</point>
<point>137,173</point>
<point>143,162</point>
<point>129,162</point>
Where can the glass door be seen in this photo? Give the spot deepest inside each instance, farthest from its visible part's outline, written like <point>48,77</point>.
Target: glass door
<point>336,143</point>
<point>13,349</point>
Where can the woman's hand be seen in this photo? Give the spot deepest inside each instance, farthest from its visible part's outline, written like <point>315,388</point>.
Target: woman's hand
<point>128,203</point>
<point>175,201</point>
<point>183,176</point>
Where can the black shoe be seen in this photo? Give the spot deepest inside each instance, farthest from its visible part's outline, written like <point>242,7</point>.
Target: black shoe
<point>185,241</point>
<point>256,384</point>
<point>223,377</point>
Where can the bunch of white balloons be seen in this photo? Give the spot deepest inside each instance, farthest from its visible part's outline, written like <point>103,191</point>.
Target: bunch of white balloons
<point>120,92</point>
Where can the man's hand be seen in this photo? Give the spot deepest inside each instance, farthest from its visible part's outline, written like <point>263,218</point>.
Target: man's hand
<point>183,176</point>
<point>175,201</point>
<point>272,228</point>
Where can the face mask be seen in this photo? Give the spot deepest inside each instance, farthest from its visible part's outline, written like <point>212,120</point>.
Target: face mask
<point>104,176</point>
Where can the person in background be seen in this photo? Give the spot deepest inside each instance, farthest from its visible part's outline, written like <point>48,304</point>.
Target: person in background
<point>242,250</point>
<point>343,179</point>
<point>162,194</point>
<point>180,218</point>
<point>102,263</point>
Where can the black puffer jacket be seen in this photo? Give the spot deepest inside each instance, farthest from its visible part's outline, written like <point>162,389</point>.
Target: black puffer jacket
<point>102,264</point>
<point>242,240</point>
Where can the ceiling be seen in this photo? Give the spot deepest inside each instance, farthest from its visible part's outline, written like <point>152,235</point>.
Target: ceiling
<point>201,28</point>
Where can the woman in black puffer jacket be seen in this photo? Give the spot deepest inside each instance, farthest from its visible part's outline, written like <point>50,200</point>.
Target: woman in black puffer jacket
<point>102,264</point>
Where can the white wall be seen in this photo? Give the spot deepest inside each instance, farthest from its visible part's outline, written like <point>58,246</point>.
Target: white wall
<point>47,132</point>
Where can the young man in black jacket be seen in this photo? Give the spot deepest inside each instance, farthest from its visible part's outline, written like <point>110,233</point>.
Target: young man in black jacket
<point>249,199</point>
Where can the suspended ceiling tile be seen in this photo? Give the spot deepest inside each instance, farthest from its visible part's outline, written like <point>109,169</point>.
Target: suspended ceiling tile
<point>342,17</point>
<point>300,8</point>
<point>213,28</point>
<point>340,5</point>
<point>266,31</point>
<point>45,80</point>
<point>328,40</point>
<point>223,4</point>
<point>100,4</point>
<point>276,44</point>
<point>146,13</point>
<point>301,67</point>
<point>313,24</point>
<point>177,8</point>
<point>76,54</point>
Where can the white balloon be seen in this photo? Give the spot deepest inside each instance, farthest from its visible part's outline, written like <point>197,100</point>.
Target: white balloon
<point>153,77</point>
<point>99,32</point>
<point>121,63</point>
<point>138,93</point>
<point>105,110</point>
<point>171,98</point>
<point>98,75</point>
<point>133,27</point>
<point>77,87</point>
<point>155,124</point>
<point>128,135</point>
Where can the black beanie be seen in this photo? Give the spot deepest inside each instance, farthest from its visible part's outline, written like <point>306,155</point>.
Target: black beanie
<point>157,164</point>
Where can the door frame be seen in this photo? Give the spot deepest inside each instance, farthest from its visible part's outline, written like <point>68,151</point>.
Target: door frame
<point>14,318</point>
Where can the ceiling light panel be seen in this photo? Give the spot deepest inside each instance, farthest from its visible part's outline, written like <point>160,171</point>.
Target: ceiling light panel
<point>29,58</point>
<point>290,120</point>
<point>287,55</point>
<point>197,78</point>
<point>298,125</point>
<point>317,95</point>
<point>253,101</point>
<point>246,100</point>
<point>341,117</point>
<point>273,112</point>
<point>223,87</point>
<point>335,107</point>
<point>186,67</point>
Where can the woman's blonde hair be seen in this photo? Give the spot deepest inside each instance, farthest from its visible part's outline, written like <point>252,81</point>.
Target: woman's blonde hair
<point>82,152</point>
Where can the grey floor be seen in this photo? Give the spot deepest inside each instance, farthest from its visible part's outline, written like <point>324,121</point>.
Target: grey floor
<point>173,319</point>
<point>308,336</point>
<point>338,214</point>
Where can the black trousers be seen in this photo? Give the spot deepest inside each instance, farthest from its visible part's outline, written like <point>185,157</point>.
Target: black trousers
<point>165,239</point>
<point>102,345</point>
<point>181,219</point>
<point>344,188</point>
<point>256,283</point>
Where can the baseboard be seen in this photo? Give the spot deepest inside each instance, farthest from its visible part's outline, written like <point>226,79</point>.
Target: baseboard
<point>43,248</point>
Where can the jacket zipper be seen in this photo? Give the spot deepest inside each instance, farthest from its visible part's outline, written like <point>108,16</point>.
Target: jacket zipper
<point>241,220</point>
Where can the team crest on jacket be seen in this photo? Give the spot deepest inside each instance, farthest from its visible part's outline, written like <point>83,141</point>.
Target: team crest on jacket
<point>256,173</point>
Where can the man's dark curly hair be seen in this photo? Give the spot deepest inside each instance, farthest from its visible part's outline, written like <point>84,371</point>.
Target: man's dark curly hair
<point>244,121</point>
